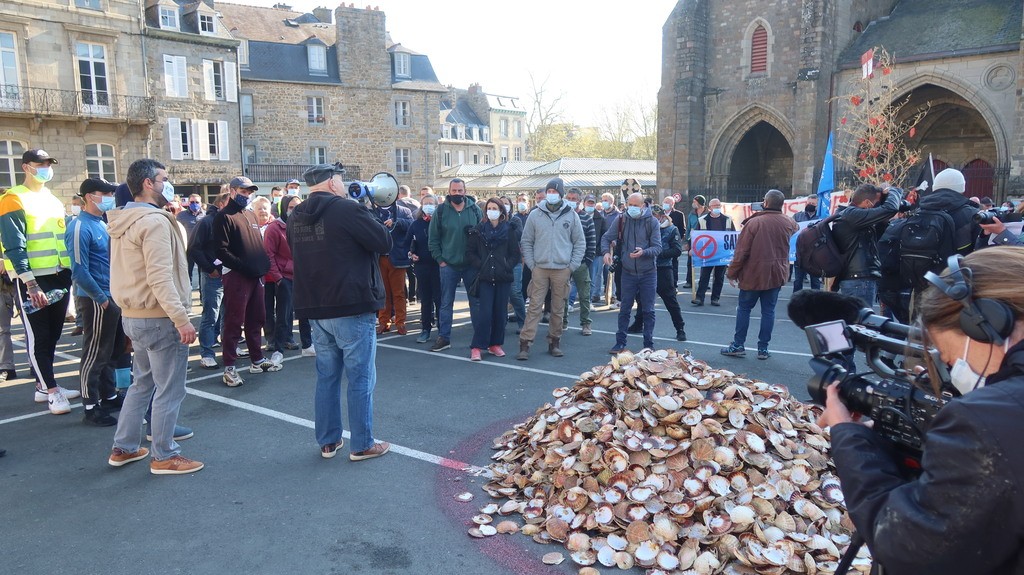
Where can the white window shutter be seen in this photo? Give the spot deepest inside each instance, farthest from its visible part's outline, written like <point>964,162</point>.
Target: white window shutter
<point>174,137</point>
<point>181,75</point>
<point>208,80</point>
<point>222,141</point>
<point>200,140</point>
<point>230,82</point>
<point>169,76</point>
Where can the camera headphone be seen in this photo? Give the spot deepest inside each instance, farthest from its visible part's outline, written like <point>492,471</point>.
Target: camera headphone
<point>985,320</point>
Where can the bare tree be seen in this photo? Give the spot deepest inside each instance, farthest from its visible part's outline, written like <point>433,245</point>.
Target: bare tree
<point>645,130</point>
<point>545,111</point>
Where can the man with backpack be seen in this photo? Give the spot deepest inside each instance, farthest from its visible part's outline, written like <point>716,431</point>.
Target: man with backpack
<point>856,232</point>
<point>637,241</point>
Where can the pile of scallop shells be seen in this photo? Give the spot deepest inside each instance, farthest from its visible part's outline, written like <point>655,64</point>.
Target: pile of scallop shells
<point>658,461</point>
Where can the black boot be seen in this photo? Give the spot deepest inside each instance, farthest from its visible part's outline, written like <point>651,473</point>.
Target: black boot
<point>636,327</point>
<point>680,334</point>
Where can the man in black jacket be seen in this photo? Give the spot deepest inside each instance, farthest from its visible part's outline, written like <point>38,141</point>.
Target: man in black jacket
<point>238,244</point>
<point>211,287</point>
<point>948,196</point>
<point>856,232</point>
<point>336,245</point>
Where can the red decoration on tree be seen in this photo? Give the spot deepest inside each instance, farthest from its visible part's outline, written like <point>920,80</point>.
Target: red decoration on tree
<point>843,121</point>
<point>913,130</point>
<point>855,100</point>
<point>886,71</point>
<point>887,177</point>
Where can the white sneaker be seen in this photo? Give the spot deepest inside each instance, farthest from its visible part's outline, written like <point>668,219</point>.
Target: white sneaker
<point>309,351</point>
<point>58,402</point>
<point>265,365</point>
<point>231,377</point>
<point>241,351</point>
<point>277,357</point>
<point>208,362</point>
<point>43,397</point>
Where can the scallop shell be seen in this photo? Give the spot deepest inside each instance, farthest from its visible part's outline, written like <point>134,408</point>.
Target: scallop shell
<point>553,558</point>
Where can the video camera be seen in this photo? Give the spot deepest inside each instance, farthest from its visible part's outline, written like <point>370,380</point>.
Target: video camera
<point>891,394</point>
<point>988,216</point>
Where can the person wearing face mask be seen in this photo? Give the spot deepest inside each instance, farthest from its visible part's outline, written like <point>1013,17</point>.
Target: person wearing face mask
<point>611,213</point>
<point>671,247</point>
<point>200,250</point>
<point>517,297</point>
<point>553,245</point>
<point>809,213</point>
<point>32,229</point>
<point>103,339</point>
<point>149,281</point>
<point>397,219</point>
<point>276,193</point>
<point>580,280</point>
<point>592,208</point>
<point>493,251</point>
<point>447,243</point>
<point>189,218</point>
<point>239,246</point>
<point>281,274</point>
<point>713,220</point>
<point>962,513</point>
<point>637,238</point>
<point>697,211</point>
<point>428,273</point>
<point>679,221</point>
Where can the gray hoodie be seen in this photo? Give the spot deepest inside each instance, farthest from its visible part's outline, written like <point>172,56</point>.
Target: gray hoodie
<point>553,240</point>
<point>642,232</point>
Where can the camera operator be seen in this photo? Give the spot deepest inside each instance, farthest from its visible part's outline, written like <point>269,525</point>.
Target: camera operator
<point>965,511</point>
<point>857,231</point>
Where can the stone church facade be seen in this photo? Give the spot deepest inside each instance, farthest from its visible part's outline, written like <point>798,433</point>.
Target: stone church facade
<point>750,89</point>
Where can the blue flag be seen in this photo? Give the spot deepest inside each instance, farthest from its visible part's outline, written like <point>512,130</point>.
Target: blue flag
<point>827,183</point>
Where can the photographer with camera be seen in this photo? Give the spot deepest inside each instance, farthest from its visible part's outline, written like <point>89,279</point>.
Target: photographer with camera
<point>857,231</point>
<point>962,513</point>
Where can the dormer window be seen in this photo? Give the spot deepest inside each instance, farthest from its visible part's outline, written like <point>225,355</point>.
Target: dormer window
<point>243,53</point>
<point>207,24</point>
<point>169,18</point>
<point>402,66</point>
<point>317,57</point>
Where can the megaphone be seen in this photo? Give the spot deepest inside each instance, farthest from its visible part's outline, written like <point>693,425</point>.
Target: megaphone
<point>382,190</point>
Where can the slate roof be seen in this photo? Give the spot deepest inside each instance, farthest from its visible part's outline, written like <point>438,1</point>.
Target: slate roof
<point>505,103</point>
<point>273,24</point>
<point>422,75</point>
<point>462,114</point>
<point>933,29</point>
<point>185,25</point>
<point>287,63</point>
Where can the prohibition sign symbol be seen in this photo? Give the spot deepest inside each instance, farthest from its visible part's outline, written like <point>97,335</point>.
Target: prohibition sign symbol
<point>704,247</point>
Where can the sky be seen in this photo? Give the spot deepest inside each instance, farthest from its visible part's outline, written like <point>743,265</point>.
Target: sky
<point>598,55</point>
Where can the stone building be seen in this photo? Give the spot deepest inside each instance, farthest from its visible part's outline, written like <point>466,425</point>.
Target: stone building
<point>192,64</point>
<point>72,83</point>
<point>750,89</point>
<point>480,128</point>
<point>331,87</point>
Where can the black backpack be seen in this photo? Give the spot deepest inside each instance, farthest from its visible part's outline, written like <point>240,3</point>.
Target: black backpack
<point>926,240</point>
<point>817,251</point>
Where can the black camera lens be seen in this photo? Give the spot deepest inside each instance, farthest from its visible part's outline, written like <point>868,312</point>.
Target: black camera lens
<point>986,217</point>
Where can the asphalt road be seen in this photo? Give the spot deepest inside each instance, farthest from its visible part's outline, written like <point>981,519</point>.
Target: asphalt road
<point>268,503</point>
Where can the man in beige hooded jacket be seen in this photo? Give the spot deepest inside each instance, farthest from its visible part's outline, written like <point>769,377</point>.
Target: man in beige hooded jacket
<point>149,280</point>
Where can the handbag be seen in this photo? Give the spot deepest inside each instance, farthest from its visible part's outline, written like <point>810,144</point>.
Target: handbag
<point>474,288</point>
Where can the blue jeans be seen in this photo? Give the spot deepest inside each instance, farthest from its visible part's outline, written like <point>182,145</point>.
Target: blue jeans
<point>798,279</point>
<point>284,317</point>
<point>747,300</point>
<point>492,314</point>
<point>597,276</point>
<point>345,346</point>
<point>640,288</point>
<point>450,277</point>
<point>212,322</point>
<point>865,289</point>
<point>516,295</point>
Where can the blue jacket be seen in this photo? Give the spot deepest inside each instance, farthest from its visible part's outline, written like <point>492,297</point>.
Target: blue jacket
<point>417,238</point>
<point>402,219</point>
<point>88,244</point>
<point>671,246</point>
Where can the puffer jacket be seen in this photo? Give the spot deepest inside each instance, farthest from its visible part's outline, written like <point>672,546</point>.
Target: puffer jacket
<point>761,259</point>
<point>494,251</point>
<point>856,232</point>
<point>965,513</point>
<point>671,246</point>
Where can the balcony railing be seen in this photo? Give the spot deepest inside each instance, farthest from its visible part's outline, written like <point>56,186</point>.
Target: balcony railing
<point>285,172</point>
<point>76,104</point>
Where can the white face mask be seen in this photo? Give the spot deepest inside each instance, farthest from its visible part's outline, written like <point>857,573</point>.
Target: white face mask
<point>665,223</point>
<point>553,198</point>
<point>493,215</point>
<point>75,210</point>
<point>963,377</point>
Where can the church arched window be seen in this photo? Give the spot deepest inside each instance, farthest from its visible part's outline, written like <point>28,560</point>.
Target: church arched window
<point>759,50</point>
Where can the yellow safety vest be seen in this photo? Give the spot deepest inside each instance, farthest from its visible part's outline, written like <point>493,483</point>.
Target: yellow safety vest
<point>44,232</point>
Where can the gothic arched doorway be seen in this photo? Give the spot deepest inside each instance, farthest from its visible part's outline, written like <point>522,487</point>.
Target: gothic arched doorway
<point>762,159</point>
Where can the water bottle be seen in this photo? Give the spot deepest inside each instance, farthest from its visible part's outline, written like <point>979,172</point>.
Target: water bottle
<point>51,296</point>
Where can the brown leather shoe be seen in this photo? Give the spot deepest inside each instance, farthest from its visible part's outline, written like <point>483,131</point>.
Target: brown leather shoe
<point>176,465</point>
<point>379,448</point>
<point>119,457</point>
<point>553,347</point>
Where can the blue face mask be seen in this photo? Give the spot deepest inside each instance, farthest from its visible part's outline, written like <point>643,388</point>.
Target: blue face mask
<point>604,205</point>
<point>43,174</point>
<point>588,209</point>
<point>634,211</point>
<point>194,206</point>
<point>242,201</point>
<point>572,204</point>
<point>105,203</point>
<point>666,207</point>
<point>429,209</point>
<point>522,206</point>
<point>167,191</point>
<point>553,198</point>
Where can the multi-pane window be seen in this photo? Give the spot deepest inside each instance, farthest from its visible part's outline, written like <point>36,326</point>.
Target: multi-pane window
<point>402,161</point>
<point>403,114</point>
<point>245,101</point>
<point>10,162</point>
<point>517,127</point>
<point>476,158</point>
<point>503,127</point>
<point>213,139</point>
<point>504,154</point>
<point>168,18</point>
<point>220,80</point>
<point>92,77</point>
<point>447,158</point>
<point>10,92</point>
<point>91,4</point>
<point>487,158</point>
<point>317,57</point>
<point>207,24</point>
<point>759,50</point>
<point>249,153</point>
<point>175,76</point>
<point>402,65</point>
<point>243,53</point>
<point>446,131</point>
<point>315,110</point>
<point>487,134</point>
<point>461,132</point>
<point>99,161</point>
<point>318,155</point>
<point>462,157</point>
<point>519,154</point>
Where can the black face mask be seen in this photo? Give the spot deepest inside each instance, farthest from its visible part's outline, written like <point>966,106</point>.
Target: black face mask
<point>810,209</point>
<point>457,200</point>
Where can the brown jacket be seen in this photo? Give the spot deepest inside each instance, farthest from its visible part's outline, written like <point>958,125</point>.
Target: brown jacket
<point>148,270</point>
<point>761,260</point>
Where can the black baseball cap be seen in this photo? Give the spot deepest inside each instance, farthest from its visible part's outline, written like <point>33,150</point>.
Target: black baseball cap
<point>100,185</point>
<point>321,173</point>
<point>243,182</point>
<point>37,155</point>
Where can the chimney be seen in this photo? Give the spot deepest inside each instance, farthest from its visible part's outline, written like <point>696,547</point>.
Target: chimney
<point>474,89</point>
<point>282,6</point>
<point>325,15</point>
<point>363,59</point>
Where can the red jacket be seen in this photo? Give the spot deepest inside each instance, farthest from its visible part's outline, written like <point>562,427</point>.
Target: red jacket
<point>275,241</point>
